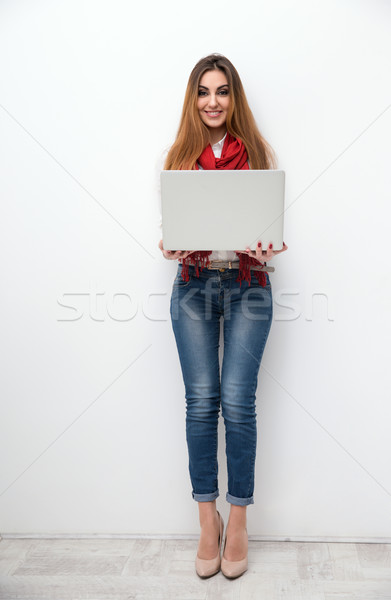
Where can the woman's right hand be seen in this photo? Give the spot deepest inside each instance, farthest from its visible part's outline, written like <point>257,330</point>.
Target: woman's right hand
<point>174,254</point>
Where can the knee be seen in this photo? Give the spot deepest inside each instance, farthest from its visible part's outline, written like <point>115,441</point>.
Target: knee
<point>238,411</point>
<point>203,404</point>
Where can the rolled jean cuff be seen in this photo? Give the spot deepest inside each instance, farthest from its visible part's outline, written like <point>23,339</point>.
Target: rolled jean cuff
<point>239,501</point>
<point>205,497</point>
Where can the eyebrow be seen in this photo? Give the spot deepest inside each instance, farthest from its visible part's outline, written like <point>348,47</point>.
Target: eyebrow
<point>220,86</point>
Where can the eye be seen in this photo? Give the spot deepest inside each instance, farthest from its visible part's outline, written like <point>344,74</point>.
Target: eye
<point>223,92</point>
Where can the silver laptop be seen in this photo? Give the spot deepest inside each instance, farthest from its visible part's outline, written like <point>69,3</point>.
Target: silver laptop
<point>222,209</point>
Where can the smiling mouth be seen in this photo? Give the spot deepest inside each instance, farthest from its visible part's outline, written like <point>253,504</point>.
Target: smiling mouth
<point>214,113</point>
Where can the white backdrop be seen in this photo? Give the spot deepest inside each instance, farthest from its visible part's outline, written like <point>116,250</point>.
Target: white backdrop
<point>92,398</point>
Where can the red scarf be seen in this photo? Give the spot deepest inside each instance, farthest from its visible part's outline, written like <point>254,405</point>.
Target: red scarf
<point>233,156</point>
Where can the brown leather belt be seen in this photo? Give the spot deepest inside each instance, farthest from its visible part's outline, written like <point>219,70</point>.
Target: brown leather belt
<point>221,265</point>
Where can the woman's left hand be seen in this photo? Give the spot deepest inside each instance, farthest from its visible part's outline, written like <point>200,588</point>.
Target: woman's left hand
<point>263,255</point>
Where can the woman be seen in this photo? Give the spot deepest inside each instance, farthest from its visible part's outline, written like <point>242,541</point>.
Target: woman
<point>218,130</point>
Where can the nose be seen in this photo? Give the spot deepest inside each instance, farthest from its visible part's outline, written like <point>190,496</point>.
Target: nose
<point>213,101</point>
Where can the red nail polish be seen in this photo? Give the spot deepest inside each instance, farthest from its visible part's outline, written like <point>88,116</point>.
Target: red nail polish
<point>259,244</point>
<point>270,245</point>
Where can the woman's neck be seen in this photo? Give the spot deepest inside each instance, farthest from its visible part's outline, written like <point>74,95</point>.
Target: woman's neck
<point>215,135</point>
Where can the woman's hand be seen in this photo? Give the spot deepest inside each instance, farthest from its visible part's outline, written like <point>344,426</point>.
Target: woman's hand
<point>174,254</point>
<point>263,255</point>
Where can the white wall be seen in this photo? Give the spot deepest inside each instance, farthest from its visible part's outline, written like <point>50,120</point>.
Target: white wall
<point>92,398</point>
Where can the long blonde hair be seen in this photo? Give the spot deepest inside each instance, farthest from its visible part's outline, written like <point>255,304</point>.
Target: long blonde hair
<point>193,135</point>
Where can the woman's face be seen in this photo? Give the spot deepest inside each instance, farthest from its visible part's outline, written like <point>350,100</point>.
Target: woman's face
<point>213,98</point>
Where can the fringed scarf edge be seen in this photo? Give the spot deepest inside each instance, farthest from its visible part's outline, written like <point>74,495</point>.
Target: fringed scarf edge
<point>245,261</point>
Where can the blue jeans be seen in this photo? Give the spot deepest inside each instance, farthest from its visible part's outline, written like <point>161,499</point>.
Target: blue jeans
<point>196,307</point>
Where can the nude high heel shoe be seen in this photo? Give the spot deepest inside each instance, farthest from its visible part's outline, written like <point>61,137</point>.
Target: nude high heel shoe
<point>207,568</point>
<point>233,568</point>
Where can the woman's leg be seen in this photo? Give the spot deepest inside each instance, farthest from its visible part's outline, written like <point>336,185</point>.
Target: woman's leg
<point>197,339</point>
<point>210,528</point>
<point>236,533</point>
<point>195,318</point>
<point>247,320</point>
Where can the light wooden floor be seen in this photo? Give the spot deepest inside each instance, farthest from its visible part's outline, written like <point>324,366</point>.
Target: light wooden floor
<point>129,569</point>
